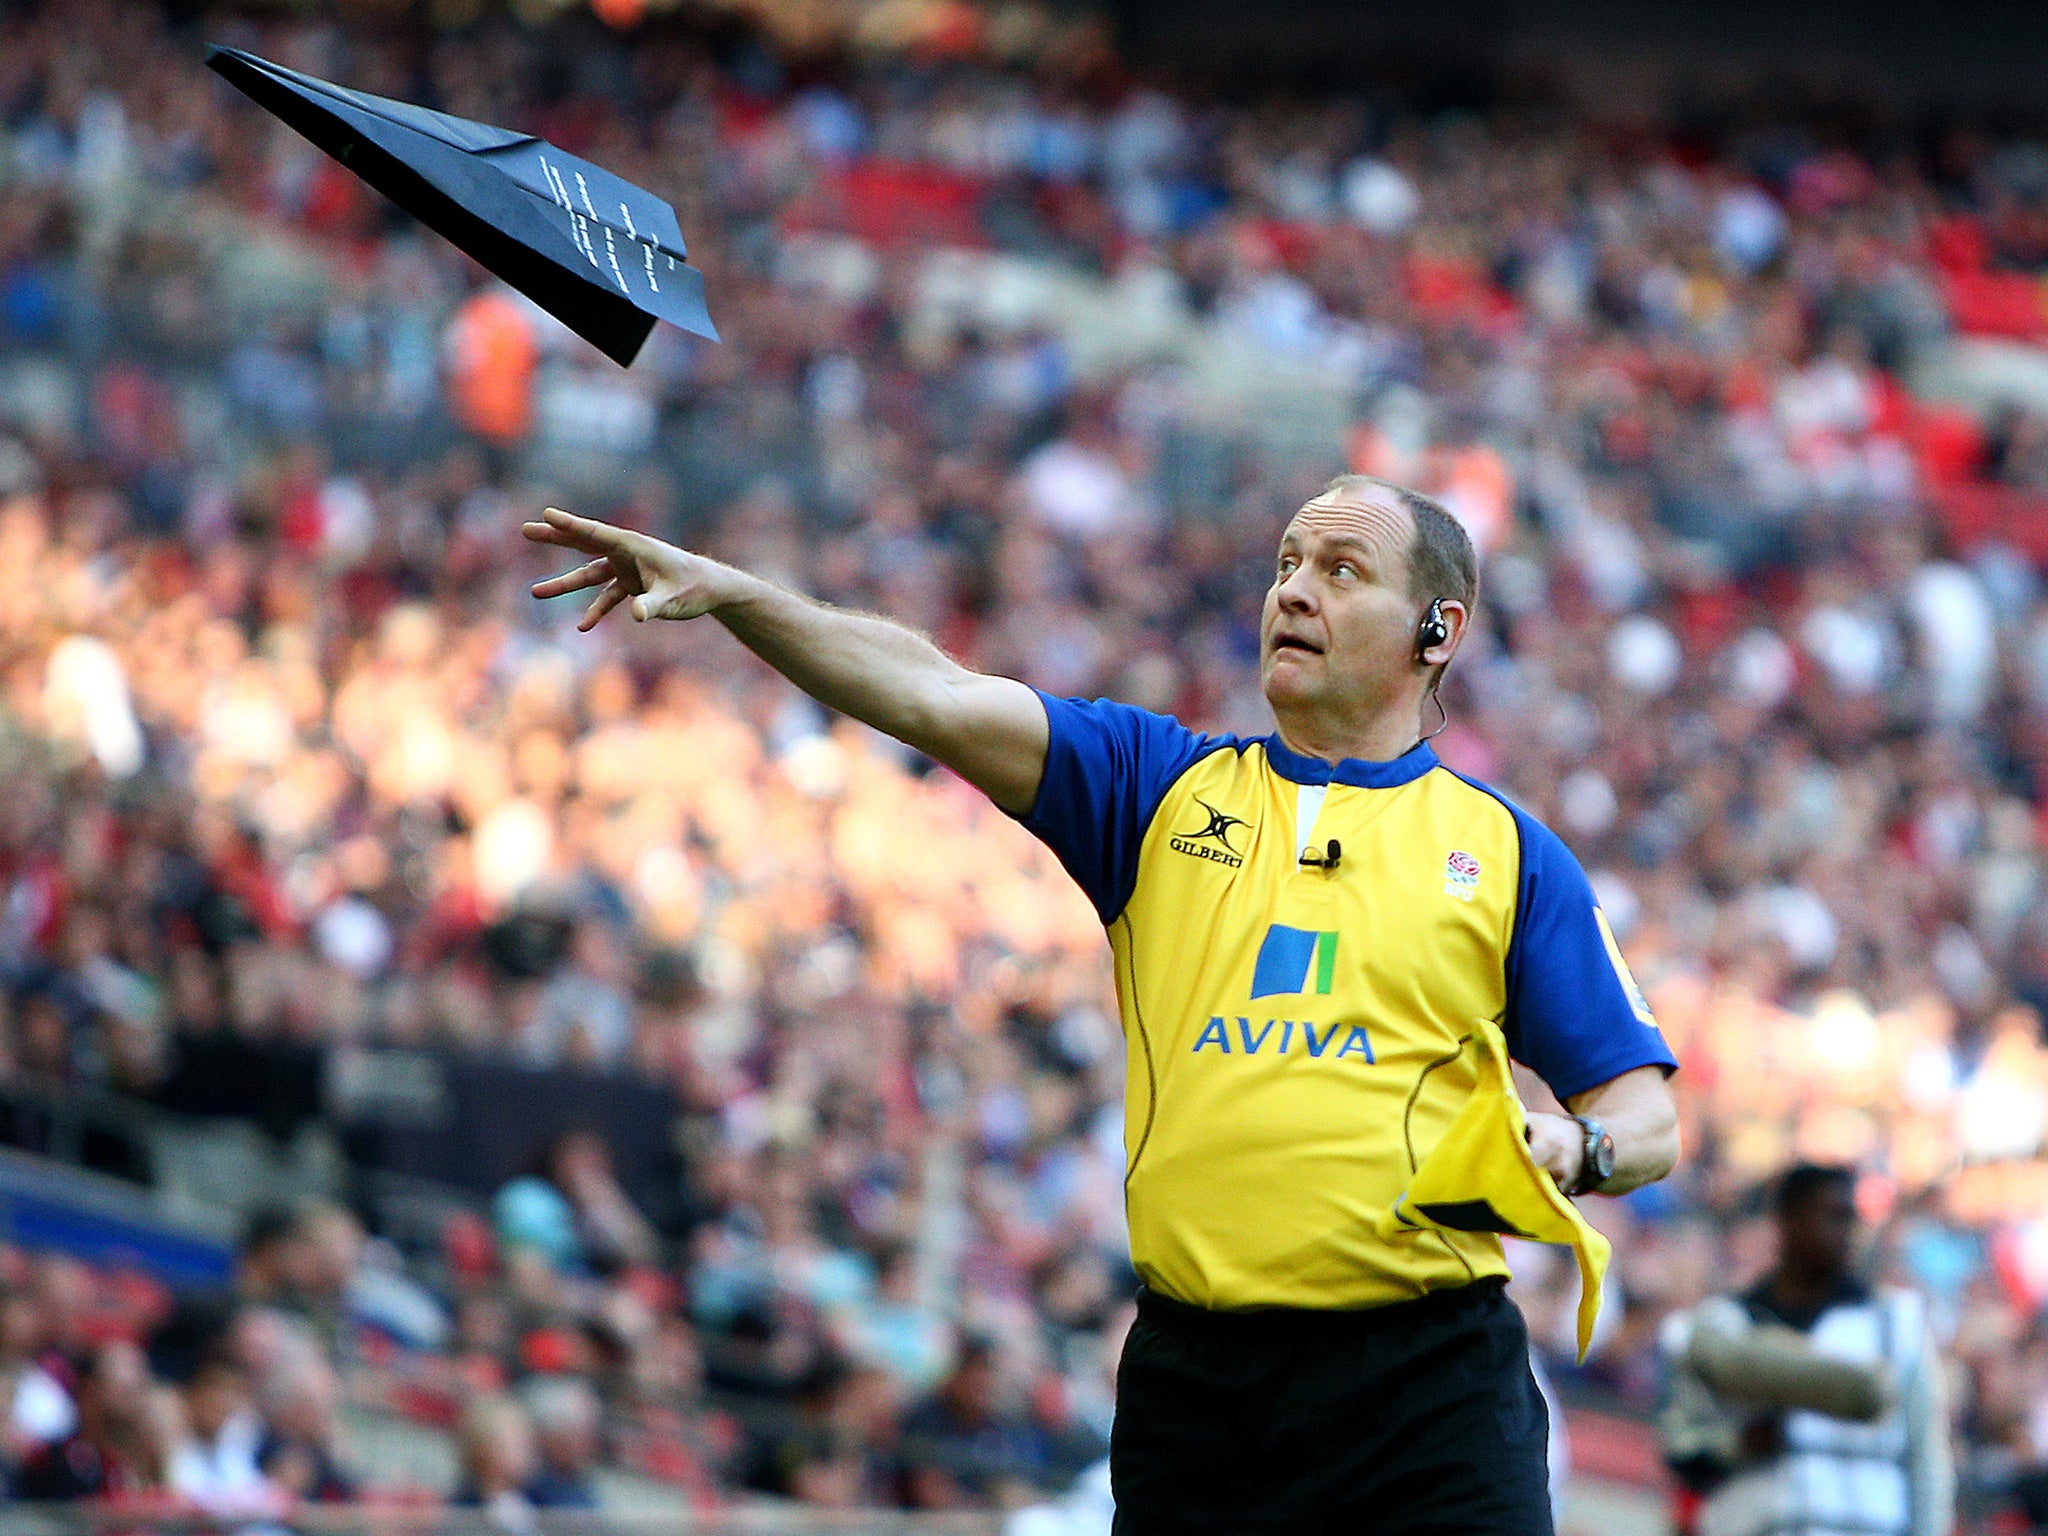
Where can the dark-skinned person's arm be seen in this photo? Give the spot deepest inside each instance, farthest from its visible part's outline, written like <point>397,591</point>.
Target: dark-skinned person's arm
<point>992,731</point>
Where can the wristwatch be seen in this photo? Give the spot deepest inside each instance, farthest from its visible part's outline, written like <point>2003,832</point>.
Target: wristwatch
<point>1596,1166</point>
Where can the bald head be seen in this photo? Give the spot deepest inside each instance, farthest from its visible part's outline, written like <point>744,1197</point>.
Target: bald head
<point>1368,513</point>
<point>1441,560</point>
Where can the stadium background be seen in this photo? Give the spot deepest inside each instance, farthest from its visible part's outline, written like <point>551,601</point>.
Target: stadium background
<point>347,891</point>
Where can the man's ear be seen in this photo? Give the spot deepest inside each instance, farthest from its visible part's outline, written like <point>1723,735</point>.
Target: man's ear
<point>1455,617</point>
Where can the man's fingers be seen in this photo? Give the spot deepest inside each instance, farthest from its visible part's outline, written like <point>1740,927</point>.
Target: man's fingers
<point>543,533</point>
<point>573,532</point>
<point>569,522</point>
<point>626,562</point>
<point>607,600</point>
<point>588,575</point>
<point>583,543</point>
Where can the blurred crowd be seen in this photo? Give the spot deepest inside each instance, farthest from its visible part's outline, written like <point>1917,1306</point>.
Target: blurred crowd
<point>291,754</point>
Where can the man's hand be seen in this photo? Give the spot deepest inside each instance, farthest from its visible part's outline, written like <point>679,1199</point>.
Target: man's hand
<point>1637,1111</point>
<point>1558,1143</point>
<point>661,581</point>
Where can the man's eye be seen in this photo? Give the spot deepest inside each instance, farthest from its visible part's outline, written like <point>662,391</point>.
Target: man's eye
<point>1346,568</point>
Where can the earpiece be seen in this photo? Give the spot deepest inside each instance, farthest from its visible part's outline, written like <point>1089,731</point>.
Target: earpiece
<point>1432,631</point>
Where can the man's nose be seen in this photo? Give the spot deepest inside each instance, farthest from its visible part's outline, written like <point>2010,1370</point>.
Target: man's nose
<point>1297,593</point>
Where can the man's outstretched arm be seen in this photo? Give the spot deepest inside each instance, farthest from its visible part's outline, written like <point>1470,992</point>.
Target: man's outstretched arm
<point>991,731</point>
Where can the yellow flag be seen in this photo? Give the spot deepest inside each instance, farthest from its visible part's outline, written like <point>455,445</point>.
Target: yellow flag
<point>1482,1178</point>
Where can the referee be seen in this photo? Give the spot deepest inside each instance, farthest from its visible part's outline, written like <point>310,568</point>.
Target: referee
<point>1304,926</point>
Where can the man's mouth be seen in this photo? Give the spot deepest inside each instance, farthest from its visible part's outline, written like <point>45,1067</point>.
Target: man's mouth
<point>1284,644</point>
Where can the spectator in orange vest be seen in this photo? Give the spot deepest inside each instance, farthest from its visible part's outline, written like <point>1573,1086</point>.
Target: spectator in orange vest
<point>492,352</point>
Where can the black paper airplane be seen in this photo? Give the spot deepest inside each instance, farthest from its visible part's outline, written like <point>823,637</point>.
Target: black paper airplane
<point>598,253</point>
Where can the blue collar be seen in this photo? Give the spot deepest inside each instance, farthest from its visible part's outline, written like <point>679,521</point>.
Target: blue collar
<point>1358,772</point>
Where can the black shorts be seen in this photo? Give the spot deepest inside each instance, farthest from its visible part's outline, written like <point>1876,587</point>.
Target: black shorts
<point>1419,1417</point>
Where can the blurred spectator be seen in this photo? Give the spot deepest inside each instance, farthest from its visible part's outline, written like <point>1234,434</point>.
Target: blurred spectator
<point>894,1329</point>
<point>216,1464</point>
<point>104,1455</point>
<point>1812,1403</point>
<point>267,1265</point>
<point>491,356</point>
<point>573,1212</point>
<point>36,1384</point>
<point>566,1415</point>
<point>300,1451</point>
<point>495,1443</point>
<point>964,1445</point>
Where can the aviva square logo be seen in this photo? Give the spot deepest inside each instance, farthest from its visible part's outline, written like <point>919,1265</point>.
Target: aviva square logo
<point>1286,958</point>
<point>1293,962</point>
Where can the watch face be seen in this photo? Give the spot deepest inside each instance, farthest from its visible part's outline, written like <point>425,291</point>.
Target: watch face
<point>1603,1155</point>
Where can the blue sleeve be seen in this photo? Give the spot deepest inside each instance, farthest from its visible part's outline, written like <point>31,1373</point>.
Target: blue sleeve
<point>1107,767</point>
<point>1575,1016</point>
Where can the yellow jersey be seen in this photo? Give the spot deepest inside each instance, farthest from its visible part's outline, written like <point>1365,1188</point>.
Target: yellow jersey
<point>1300,947</point>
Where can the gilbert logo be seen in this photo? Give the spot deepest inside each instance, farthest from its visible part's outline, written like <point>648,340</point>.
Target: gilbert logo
<point>1212,841</point>
<point>1461,875</point>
